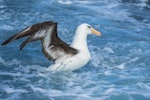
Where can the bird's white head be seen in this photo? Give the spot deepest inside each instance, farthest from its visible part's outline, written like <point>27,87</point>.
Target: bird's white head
<point>88,29</point>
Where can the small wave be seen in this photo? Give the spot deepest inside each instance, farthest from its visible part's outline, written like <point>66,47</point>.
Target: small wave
<point>7,27</point>
<point>121,66</point>
<point>108,49</point>
<point>143,86</point>
<point>64,2</point>
<point>100,78</point>
<point>10,90</point>
<point>9,63</point>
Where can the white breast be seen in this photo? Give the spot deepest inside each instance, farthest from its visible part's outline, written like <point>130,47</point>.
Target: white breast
<point>71,63</point>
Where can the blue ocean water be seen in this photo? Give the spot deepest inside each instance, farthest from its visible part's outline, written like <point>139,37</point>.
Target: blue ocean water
<point>120,65</point>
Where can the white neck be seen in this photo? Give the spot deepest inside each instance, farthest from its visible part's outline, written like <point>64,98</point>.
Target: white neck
<point>80,40</point>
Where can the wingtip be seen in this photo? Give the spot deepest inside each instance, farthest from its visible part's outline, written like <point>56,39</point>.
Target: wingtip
<point>4,43</point>
<point>20,48</point>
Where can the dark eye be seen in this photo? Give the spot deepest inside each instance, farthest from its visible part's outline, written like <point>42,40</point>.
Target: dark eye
<point>89,26</point>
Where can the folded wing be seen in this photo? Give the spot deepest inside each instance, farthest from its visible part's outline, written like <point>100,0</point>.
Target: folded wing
<point>52,46</point>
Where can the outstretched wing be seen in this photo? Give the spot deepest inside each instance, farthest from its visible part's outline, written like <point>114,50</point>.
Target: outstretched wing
<point>36,32</point>
<point>52,46</point>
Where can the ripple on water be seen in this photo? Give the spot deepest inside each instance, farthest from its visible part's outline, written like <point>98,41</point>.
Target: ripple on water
<point>119,67</point>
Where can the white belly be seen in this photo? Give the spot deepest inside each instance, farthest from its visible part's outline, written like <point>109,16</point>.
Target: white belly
<point>71,63</point>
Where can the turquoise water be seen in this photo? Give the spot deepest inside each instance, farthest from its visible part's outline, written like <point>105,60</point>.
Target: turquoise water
<point>120,65</point>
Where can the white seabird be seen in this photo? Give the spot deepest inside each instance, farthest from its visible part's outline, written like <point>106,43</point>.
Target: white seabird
<point>65,57</point>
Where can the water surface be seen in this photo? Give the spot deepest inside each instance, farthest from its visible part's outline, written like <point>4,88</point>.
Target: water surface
<point>120,65</point>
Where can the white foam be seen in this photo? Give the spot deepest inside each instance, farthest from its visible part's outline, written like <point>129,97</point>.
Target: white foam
<point>38,89</point>
<point>145,86</point>
<point>64,2</point>
<point>108,91</point>
<point>107,73</point>
<point>133,60</point>
<point>48,92</point>
<point>143,4</point>
<point>2,61</point>
<point>7,27</point>
<point>12,90</point>
<point>84,85</point>
<point>136,51</point>
<point>121,66</point>
<point>2,6</point>
<point>9,63</point>
<point>108,49</point>
<point>10,74</point>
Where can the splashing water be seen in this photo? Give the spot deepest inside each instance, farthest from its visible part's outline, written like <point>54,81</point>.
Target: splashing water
<point>119,67</point>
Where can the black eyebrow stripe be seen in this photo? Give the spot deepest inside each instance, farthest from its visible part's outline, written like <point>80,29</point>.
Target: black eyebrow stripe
<point>88,26</point>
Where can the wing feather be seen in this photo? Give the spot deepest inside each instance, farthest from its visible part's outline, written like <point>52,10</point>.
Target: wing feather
<point>52,46</point>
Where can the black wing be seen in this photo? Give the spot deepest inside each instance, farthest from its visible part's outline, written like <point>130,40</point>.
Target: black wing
<point>52,46</point>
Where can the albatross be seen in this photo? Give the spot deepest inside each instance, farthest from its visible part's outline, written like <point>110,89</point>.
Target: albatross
<point>65,57</point>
